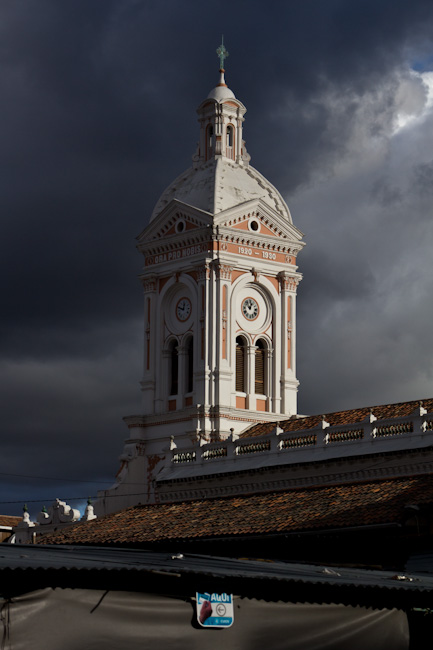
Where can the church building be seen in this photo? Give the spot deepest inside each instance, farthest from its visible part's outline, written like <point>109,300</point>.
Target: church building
<point>220,464</point>
<point>220,279</point>
<point>219,416</point>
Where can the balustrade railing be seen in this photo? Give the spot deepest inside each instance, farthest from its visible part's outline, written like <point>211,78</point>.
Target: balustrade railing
<point>184,457</point>
<point>325,439</point>
<point>298,441</point>
<point>394,429</point>
<point>345,436</point>
<point>253,447</point>
<point>217,452</point>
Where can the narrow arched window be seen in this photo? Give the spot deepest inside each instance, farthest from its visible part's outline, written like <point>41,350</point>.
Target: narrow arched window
<point>173,381</point>
<point>230,142</point>
<point>260,371</point>
<point>209,141</point>
<point>189,365</point>
<point>240,364</point>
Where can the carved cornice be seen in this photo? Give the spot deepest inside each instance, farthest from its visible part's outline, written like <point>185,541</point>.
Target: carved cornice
<point>244,238</point>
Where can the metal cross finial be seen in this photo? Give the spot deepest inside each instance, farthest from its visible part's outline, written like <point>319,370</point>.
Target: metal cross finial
<point>222,53</point>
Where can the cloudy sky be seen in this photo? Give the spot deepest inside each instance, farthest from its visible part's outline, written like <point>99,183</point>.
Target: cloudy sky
<point>98,117</point>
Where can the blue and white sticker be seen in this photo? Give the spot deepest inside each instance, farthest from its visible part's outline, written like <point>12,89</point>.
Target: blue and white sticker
<point>215,610</point>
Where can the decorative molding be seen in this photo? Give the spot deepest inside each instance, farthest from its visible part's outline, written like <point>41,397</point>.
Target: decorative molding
<point>288,282</point>
<point>246,238</point>
<point>202,271</point>
<point>149,283</point>
<point>179,250</point>
<point>223,271</point>
<point>210,485</point>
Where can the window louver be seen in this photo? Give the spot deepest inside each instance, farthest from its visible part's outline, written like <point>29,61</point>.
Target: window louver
<point>260,371</point>
<point>240,366</point>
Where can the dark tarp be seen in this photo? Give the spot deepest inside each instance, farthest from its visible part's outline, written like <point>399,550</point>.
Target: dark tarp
<point>86,619</point>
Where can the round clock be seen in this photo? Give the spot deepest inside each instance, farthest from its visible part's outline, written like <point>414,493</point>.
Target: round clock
<point>183,309</point>
<point>250,308</point>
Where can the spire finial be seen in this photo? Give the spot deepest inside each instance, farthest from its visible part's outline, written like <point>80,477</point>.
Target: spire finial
<point>222,53</point>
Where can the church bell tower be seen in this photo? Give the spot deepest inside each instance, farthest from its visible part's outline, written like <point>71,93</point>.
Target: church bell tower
<point>220,281</point>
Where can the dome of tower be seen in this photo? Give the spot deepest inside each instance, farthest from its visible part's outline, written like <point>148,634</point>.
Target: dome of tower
<point>220,184</point>
<point>221,176</point>
<point>221,91</point>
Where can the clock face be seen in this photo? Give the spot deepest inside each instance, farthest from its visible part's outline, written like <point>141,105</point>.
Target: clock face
<point>250,308</point>
<point>183,309</point>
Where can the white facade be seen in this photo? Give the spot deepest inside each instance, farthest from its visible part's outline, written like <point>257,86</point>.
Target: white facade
<point>220,281</point>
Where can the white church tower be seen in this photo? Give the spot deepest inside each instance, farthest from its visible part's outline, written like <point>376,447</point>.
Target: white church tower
<point>220,281</point>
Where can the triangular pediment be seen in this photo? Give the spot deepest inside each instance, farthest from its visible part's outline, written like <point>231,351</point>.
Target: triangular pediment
<point>175,219</point>
<point>258,219</point>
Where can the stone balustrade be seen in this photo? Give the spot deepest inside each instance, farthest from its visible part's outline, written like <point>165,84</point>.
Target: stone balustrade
<point>326,441</point>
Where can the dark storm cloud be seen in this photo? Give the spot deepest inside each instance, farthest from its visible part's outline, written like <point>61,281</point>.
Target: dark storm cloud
<point>98,116</point>
<point>423,178</point>
<point>365,321</point>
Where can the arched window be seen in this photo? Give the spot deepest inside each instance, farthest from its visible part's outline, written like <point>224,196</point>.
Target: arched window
<point>189,365</point>
<point>241,347</point>
<point>230,136</point>
<point>260,371</point>
<point>173,378</point>
<point>209,141</point>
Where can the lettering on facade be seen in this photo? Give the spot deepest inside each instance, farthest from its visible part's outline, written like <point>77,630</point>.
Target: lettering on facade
<point>266,255</point>
<point>178,254</point>
<point>252,252</point>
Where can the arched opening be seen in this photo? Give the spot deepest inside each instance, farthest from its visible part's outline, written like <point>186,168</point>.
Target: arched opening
<point>260,368</point>
<point>173,378</point>
<point>209,141</point>
<point>189,365</point>
<point>230,139</point>
<point>241,347</point>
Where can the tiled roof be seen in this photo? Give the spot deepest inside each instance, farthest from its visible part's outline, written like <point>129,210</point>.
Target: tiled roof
<point>335,506</point>
<point>6,520</point>
<point>350,416</point>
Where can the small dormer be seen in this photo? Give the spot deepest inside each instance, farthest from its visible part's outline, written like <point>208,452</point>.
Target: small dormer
<point>221,116</point>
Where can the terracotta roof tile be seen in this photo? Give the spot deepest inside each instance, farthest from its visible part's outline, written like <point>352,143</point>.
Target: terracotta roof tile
<point>350,416</point>
<point>336,506</point>
<point>6,520</point>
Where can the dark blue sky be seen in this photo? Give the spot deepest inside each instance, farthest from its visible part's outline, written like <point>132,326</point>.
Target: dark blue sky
<point>98,116</point>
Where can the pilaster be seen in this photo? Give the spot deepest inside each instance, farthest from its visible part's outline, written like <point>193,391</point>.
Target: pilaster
<point>149,362</point>
<point>223,374</point>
